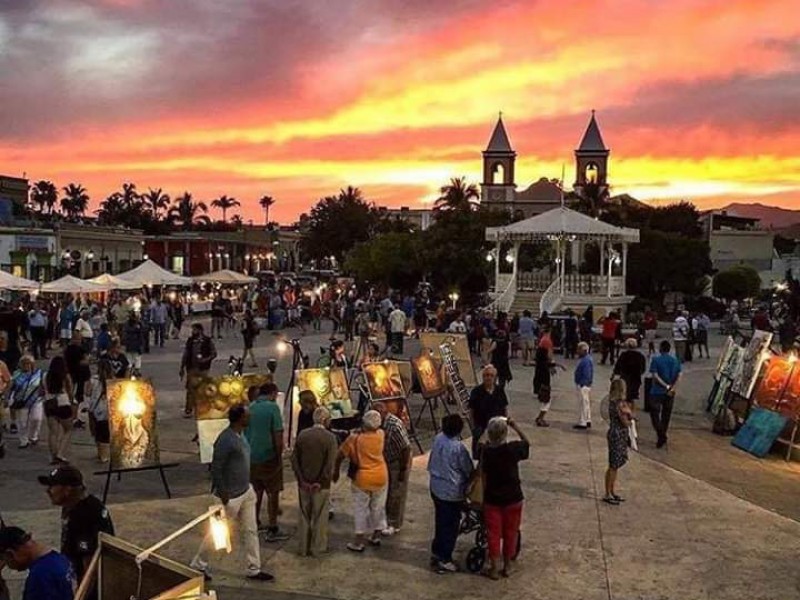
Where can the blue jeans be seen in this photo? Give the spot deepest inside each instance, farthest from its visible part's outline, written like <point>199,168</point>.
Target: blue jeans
<point>446,525</point>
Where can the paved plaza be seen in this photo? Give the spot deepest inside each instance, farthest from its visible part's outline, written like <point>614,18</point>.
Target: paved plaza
<point>701,520</point>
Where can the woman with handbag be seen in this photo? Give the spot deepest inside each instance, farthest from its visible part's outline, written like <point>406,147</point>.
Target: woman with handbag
<point>59,405</point>
<point>502,493</point>
<point>450,468</point>
<point>370,478</point>
<point>25,398</point>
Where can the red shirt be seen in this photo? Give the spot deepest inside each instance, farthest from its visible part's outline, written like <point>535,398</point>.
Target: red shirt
<point>546,342</point>
<point>610,329</point>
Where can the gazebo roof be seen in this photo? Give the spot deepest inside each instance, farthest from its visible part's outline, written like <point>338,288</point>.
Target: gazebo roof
<point>561,222</point>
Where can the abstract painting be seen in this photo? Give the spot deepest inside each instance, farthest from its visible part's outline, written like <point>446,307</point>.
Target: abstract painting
<point>789,403</point>
<point>429,375</point>
<point>760,431</point>
<point>775,375</point>
<point>330,388</point>
<point>132,423</point>
<point>430,342</point>
<point>383,380</point>
<point>214,396</point>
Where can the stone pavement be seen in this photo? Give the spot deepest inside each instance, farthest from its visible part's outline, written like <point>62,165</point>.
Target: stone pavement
<point>692,531</point>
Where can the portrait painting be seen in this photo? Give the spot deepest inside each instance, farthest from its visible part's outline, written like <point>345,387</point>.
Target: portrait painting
<point>431,341</point>
<point>429,375</point>
<point>330,388</point>
<point>132,423</point>
<point>214,396</point>
<point>384,380</point>
<point>775,375</point>
<point>397,407</point>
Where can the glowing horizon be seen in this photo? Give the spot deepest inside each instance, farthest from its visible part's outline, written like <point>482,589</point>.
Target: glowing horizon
<point>697,101</point>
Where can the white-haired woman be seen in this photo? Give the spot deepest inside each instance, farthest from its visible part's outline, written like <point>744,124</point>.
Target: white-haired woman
<point>502,493</point>
<point>370,479</point>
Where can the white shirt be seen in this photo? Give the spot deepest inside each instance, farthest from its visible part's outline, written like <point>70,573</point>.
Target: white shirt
<point>457,327</point>
<point>680,329</point>
<point>86,330</point>
<point>397,321</point>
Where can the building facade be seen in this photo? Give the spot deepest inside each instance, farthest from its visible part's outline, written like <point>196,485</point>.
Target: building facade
<point>499,186</point>
<point>737,240</point>
<point>13,198</point>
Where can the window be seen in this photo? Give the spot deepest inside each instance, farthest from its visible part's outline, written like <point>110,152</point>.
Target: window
<point>498,174</point>
<point>592,173</point>
<point>177,264</point>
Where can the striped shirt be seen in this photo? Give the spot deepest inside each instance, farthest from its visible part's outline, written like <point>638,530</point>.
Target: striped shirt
<point>397,441</point>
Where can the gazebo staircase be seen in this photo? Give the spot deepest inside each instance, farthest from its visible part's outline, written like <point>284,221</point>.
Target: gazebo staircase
<point>526,301</point>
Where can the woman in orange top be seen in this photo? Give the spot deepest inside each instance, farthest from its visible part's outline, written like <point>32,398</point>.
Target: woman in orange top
<point>370,479</point>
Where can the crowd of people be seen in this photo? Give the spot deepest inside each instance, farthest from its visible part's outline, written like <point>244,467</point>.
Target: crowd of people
<point>96,343</point>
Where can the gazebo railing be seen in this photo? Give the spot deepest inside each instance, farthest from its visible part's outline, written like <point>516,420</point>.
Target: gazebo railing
<point>551,299</point>
<point>532,281</point>
<point>504,301</point>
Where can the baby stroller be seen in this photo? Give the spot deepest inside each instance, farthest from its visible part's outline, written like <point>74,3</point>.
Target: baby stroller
<point>472,522</point>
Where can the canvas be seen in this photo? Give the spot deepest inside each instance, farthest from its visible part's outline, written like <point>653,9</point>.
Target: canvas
<point>430,342</point>
<point>718,395</point>
<point>754,355</point>
<point>214,396</point>
<point>208,431</point>
<point>775,375</point>
<point>789,403</point>
<point>329,387</point>
<point>132,423</point>
<point>399,408</point>
<point>724,357</point>
<point>429,375</point>
<point>760,431</point>
<point>384,380</point>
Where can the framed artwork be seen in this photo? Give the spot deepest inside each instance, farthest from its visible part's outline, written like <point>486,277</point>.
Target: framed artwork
<point>754,355</point>
<point>430,342</point>
<point>399,408</point>
<point>775,375</point>
<point>724,356</point>
<point>214,396</point>
<point>132,423</point>
<point>383,380</point>
<point>330,388</point>
<point>208,431</point>
<point>718,395</point>
<point>429,375</point>
<point>406,375</point>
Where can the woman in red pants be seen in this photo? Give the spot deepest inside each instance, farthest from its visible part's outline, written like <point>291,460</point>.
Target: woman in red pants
<point>502,495</point>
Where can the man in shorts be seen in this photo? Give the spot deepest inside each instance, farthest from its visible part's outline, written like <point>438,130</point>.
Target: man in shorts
<point>264,433</point>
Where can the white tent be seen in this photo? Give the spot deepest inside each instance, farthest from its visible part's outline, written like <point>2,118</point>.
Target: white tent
<point>72,285</point>
<point>149,273</point>
<point>225,276</point>
<point>114,283</point>
<point>12,282</point>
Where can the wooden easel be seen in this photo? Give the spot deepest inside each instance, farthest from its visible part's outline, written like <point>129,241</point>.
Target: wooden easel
<point>160,467</point>
<point>431,405</point>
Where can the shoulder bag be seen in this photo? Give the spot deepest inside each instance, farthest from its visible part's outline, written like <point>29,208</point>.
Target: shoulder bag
<point>476,483</point>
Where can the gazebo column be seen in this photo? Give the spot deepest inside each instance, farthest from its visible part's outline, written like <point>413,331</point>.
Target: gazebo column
<point>497,267</point>
<point>602,246</point>
<point>610,267</point>
<point>515,263</point>
<point>624,268</point>
<point>575,251</point>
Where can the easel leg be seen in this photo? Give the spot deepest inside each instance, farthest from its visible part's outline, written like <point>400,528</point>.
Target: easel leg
<point>164,481</point>
<point>108,484</point>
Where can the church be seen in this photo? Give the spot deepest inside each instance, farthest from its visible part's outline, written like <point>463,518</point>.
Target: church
<point>499,187</point>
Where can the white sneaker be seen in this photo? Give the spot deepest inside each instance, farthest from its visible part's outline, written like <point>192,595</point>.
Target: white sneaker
<point>390,531</point>
<point>446,567</point>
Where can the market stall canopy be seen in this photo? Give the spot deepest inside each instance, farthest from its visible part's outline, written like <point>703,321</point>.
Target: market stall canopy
<point>12,282</point>
<point>114,283</point>
<point>72,285</point>
<point>561,222</point>
<point>149,273</point>
<point>225,276</point>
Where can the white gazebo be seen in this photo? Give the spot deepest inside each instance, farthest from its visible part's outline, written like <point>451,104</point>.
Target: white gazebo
<point>561,285</point>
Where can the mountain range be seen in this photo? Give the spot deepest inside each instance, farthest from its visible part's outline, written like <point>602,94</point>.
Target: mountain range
<point>772,217</point>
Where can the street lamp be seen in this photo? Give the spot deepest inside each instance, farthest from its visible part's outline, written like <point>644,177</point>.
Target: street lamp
<point>90,255</point>
<point>454,298</point>
<point>509,258</point>
<point>489,256</point>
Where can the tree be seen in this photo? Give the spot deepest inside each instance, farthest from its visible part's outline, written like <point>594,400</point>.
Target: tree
<point>266,202</point>
<point>224,203</point>
<point>44,195</point>
<point>737,283</point>
<point>186,212</point>
<point>391,259</point>
<point>75,201</point>
<point>592,199</point>
<point>337,223</point>
<point>457,196</point>
<point>156,201</point>
<point>111,210</point>
<point>680,217</point>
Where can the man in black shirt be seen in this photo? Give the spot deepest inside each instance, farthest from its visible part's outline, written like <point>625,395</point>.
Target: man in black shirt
<point>486,401</point>
<point>198,354</point>
<point>78,367</point>
<point>83,517</point>
<point>630,367</point>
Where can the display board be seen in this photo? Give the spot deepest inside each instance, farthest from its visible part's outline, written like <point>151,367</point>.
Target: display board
<point>760,431</point>
<point>213,397</point>
<point>329,387</point>
<point>432,342</point>
<point>132,423</point>
<point>754,355</point>
<point>429,375</point>
<point>384,381</point>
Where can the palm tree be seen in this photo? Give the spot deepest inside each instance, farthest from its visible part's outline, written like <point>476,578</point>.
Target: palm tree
<point>112,209</point>
<point>187,212</point>
<point>44,195</point>
<point>592,199</point>
<point>75,201</point>
<point>156,201</point>
<point>224,203</point>
<point>266,202</point>
<point>457,196</point>
<point>131,199</point>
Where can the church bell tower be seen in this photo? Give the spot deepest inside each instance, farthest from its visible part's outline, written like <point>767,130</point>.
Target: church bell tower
<point>591,159</point>
<point>498,185</point>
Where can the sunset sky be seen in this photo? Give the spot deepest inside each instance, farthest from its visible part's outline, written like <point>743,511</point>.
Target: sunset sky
<point>296,99</point>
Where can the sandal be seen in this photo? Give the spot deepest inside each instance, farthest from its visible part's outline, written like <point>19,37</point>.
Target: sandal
<point>611,500</point>
<point>353,547</point>
<point>618,498</point>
